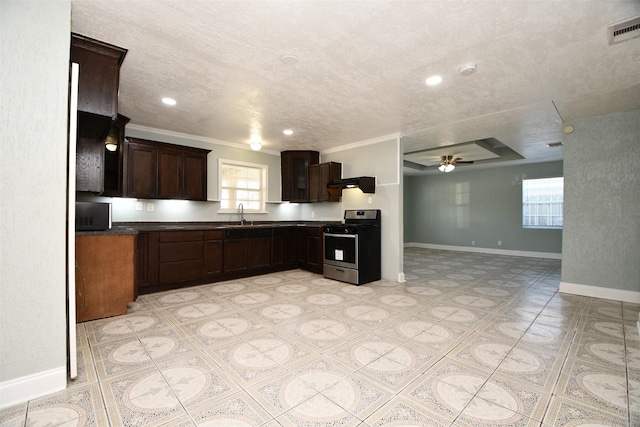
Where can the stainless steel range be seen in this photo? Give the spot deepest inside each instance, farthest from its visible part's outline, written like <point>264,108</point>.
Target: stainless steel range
<point>352,249</point>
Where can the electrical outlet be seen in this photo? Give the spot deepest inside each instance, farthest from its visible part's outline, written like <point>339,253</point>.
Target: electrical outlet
<point>370,200</point>
<point>473,243</point>
<point>138,206</point>
<point>313,214</point>
<point>499,242</point>
<point>149,207</point>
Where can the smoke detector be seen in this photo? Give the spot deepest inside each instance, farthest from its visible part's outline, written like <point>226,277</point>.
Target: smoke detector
<point>468,69</point>
<point>624,30</point>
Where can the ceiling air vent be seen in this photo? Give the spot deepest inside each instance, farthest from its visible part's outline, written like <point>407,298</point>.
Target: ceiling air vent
<point>624,30</point>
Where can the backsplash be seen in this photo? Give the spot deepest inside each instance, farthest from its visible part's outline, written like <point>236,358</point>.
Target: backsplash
<point>137,210</point>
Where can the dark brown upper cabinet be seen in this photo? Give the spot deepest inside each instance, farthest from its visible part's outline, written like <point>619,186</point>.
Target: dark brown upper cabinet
<point>98,81</point>
<point>155,170</point>
<point>295,174</point>
<point>319,177</point>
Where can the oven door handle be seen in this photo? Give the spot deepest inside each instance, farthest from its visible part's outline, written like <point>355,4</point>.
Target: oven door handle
<point>349,236</point>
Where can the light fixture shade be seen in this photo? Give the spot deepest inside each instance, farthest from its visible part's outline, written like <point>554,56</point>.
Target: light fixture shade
<point>442,168</point>
<point>111,146</point>
<point>449,168</point>
<point>256,146</point>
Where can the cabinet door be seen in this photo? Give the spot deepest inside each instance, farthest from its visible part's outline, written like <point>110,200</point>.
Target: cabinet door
<point>213,253</point>
<point>295,174</point>
<point>195,176</point>
<point>213,258</point>
<point>142,179</point>
<point>89,165</point>
<point>315,192</point>
<point>299,179</point>
<point>236,255</point>
<point>314,253</point>
<point>259,252</point>
<point>170,174</point>
<point>328,172</point>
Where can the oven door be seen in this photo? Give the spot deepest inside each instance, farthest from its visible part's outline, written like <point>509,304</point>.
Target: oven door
<point>341,250</point>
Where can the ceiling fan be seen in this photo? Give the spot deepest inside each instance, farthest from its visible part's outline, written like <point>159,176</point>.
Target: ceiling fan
<point>447,163</point>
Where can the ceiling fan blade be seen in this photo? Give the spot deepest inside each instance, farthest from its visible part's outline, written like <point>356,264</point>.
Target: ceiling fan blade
<point>463,163</point>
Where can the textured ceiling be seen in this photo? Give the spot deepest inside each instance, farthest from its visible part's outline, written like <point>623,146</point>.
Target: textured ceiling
<point>362,67</point>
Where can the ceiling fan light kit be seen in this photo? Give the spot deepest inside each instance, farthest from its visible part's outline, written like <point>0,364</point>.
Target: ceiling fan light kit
<point>446,168</point>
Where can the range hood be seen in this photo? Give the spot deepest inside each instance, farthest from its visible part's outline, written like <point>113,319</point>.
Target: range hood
<point>365,183</point>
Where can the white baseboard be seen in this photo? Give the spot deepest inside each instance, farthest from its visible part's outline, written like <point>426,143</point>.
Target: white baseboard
<point>599,292</point>
<point>21,390</point>
<point>530,254</point>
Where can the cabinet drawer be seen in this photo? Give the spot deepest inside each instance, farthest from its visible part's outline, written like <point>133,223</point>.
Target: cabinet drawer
<point>180,236</point>
<point>180,271</point>
<point>213,235</point>
<point>179,251</point>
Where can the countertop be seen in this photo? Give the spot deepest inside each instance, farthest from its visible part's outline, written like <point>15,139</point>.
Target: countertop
<point>124,228</point>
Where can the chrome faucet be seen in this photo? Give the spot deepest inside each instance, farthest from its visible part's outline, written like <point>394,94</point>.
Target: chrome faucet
<point>241,213</point>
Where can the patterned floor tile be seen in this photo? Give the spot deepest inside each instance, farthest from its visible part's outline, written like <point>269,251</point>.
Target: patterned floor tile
<point>470,339</point>
<point>597,387</point>
<point>402,412</point>
<point>567,412</point>
<point>81,406</point>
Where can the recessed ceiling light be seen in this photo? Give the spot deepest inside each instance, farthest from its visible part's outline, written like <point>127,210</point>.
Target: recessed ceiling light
<point>287,132</point>
<point>289,59</point>
<point>434,80</point>
<point>169,101</point>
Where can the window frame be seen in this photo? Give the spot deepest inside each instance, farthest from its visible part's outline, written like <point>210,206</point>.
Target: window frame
<point>264,170</point>
<point>548,203</point>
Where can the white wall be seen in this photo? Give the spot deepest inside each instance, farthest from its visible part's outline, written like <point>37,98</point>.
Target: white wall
<point>381,159</point>
<point>34,51</point>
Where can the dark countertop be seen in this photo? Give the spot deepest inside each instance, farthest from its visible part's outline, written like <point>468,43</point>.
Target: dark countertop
<point>124,228</point>
<point>114,231</point>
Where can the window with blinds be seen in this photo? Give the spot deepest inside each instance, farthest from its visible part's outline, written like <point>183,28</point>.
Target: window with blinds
<point>244,183</point>
<point>542,201</point>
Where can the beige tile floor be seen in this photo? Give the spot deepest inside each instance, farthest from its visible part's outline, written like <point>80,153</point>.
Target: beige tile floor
<point>469,340</point>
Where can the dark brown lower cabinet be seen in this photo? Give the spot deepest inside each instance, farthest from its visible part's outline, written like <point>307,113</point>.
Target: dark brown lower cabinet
<point>180,256</point>
<point>283,247</point>
<point>170,259</point>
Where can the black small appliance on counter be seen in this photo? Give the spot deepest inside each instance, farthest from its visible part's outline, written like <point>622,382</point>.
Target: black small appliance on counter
<point>92,216</point>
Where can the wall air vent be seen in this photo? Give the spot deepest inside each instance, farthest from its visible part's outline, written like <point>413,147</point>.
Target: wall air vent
<point>623,31</point>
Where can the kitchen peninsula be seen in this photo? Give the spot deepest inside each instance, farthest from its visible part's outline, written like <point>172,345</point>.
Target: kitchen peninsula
<point>180,254</point>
